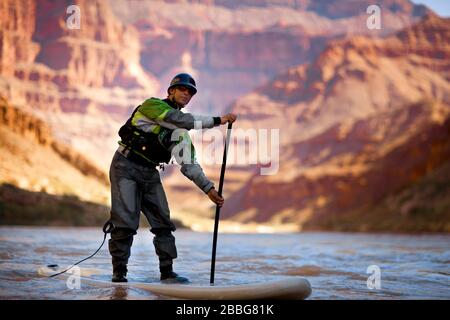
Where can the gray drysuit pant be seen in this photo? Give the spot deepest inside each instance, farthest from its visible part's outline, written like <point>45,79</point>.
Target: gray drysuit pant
<point>136,188</point>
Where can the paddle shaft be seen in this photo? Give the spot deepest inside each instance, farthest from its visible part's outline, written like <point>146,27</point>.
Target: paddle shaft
<point>216,222</point>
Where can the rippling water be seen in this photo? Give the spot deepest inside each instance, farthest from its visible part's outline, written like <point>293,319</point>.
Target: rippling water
<point>412,267</point>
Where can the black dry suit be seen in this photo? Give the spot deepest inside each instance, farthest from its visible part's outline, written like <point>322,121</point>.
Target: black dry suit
<point>135,182</point>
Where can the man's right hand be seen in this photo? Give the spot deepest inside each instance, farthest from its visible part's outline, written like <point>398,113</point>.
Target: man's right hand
<point>229,117</point>
<point>214,196</point>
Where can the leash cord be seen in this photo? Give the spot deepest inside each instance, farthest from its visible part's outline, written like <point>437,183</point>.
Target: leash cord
<point>107,228</point>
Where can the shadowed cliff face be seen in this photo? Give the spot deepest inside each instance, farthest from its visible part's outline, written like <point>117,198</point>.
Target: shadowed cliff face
<point>82,82</point>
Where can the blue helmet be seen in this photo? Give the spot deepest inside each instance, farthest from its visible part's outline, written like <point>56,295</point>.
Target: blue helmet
<point>183,79</point>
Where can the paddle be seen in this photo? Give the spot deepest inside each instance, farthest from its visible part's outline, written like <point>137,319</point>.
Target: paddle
<point>216,222</point>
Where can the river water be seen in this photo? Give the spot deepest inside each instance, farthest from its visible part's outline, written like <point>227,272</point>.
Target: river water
<point>336,264</point>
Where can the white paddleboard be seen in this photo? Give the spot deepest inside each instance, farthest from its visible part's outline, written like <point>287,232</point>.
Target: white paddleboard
<point>292,288</point>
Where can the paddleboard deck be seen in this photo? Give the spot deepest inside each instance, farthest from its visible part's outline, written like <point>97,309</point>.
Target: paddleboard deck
<point>292,288</point>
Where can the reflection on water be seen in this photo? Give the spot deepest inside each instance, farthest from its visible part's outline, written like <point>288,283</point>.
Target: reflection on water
<point>412,267</point>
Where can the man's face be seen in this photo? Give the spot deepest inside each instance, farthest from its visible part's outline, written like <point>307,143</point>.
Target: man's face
<point>181,95</point>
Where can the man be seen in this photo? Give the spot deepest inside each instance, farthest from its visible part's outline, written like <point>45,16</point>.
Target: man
<point>135,182</point>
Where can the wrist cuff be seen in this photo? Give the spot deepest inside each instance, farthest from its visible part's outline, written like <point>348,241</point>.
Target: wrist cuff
<point>208,187</point>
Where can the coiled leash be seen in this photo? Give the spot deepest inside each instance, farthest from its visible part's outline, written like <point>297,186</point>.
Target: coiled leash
<point>107,228</point>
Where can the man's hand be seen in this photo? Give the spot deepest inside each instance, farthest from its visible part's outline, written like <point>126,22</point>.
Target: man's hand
<point>214,196</point>
<point>230,117</point>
